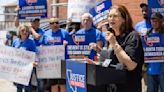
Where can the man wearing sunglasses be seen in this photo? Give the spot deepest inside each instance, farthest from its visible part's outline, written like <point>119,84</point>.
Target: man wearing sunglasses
<point>55,36</point>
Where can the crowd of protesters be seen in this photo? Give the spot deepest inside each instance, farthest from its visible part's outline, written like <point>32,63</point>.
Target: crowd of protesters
<point>124,40</point>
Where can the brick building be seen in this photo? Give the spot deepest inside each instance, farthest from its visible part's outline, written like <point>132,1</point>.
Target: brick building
<point>132,6</point>
<point>59,8</point>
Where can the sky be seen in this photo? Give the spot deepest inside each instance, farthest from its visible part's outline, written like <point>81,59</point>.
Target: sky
<point>4,2</point>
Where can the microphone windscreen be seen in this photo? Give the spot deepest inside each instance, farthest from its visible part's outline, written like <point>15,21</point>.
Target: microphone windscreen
<point>110,29</point>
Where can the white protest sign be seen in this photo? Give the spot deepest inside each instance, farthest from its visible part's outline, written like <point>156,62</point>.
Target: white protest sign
<point>49,66</point>
<point>77,7</point>
<point>16,65</point>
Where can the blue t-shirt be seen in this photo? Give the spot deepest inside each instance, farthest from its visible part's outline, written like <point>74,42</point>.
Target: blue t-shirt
<point>142,27</point>
<point>28,44</point>
<point>95,33</point>
<point>154,68</point>
<point>54,38</point>
<point>40,32</point>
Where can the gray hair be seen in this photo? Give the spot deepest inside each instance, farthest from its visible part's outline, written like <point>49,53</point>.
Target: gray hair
<point>25,27</point>
<point>87,15</point>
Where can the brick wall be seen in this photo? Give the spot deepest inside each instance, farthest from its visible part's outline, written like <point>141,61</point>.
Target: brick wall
<point>132,6</point>
<point>62,10</point>
<point>49,2</point>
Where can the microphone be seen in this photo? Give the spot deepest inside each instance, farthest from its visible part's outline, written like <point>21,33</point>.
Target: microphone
<point>106,52</point>
<point>106,42</point>
<point>110,29</point>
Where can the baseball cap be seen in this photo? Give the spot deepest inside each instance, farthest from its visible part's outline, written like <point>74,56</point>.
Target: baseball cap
<point>35,19</point>
<point>143,4</point>
<point>156,16</point>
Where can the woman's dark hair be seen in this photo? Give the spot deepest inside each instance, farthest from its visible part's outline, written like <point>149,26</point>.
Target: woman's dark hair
<point>127,26</point>
<point>25,28</point>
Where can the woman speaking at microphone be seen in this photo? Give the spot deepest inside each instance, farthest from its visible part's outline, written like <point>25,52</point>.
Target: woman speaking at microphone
<point>127,47</point>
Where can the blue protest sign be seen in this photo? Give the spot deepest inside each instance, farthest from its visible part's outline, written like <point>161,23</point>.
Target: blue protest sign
<point>75,78</point>
<point>30,9</point>
<point>153,48</point>
<point>156,6</point>
<point>78,46</point>
<point>100,13</point>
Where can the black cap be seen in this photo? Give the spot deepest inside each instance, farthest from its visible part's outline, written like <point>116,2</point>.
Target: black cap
<point>156,15</point>
<point>35,19</point>
<point>143,4</point>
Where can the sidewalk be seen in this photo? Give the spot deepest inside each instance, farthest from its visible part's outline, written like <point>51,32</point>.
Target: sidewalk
<point>6,86</point>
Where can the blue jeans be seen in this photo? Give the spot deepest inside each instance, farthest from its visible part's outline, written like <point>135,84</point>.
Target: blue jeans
<point>154,82</point>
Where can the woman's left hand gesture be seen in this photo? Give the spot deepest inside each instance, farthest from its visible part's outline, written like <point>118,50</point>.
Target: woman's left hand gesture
<point>111,39</point>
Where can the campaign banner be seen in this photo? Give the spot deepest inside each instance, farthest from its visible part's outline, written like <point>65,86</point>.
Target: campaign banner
<point>49,61</point>
<point>156,6</point>
<point>16,65</point>
<point>100,13</point>
<point>78,46</point>
<point>76,8</point>
<point>75,76</point>
<point>30,9</point>
<point>153,48</point>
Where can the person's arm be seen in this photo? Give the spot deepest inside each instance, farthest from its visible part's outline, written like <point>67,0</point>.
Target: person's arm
<point>99,45</point>
<point>99,41</point>
<point>122,56</point>
<point>91,61</point>
<point>69,21</point>
<point>35,34</point>
<point>16,17</point>
<point>16,21</point>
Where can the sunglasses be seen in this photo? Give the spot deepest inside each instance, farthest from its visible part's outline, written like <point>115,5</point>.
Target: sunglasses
<point>54,23</point>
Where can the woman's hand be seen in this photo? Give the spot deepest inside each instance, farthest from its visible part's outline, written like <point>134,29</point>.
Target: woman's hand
<point>65,42</point>
<point>111,39</point>
<point>35,64</point>
<point>95,47</point>
<point>91,61</point>
<point>92,45</point>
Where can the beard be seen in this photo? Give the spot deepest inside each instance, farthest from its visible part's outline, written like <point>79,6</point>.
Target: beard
<point>145,16</point>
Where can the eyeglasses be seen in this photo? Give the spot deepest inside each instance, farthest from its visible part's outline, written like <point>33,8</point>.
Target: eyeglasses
<point>114,16</point>
<point>54,23</point>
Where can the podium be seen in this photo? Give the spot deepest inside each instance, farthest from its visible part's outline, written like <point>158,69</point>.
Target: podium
<point>97,77</point>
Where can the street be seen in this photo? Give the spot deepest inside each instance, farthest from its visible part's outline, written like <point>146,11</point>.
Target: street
<point>6,86</point>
